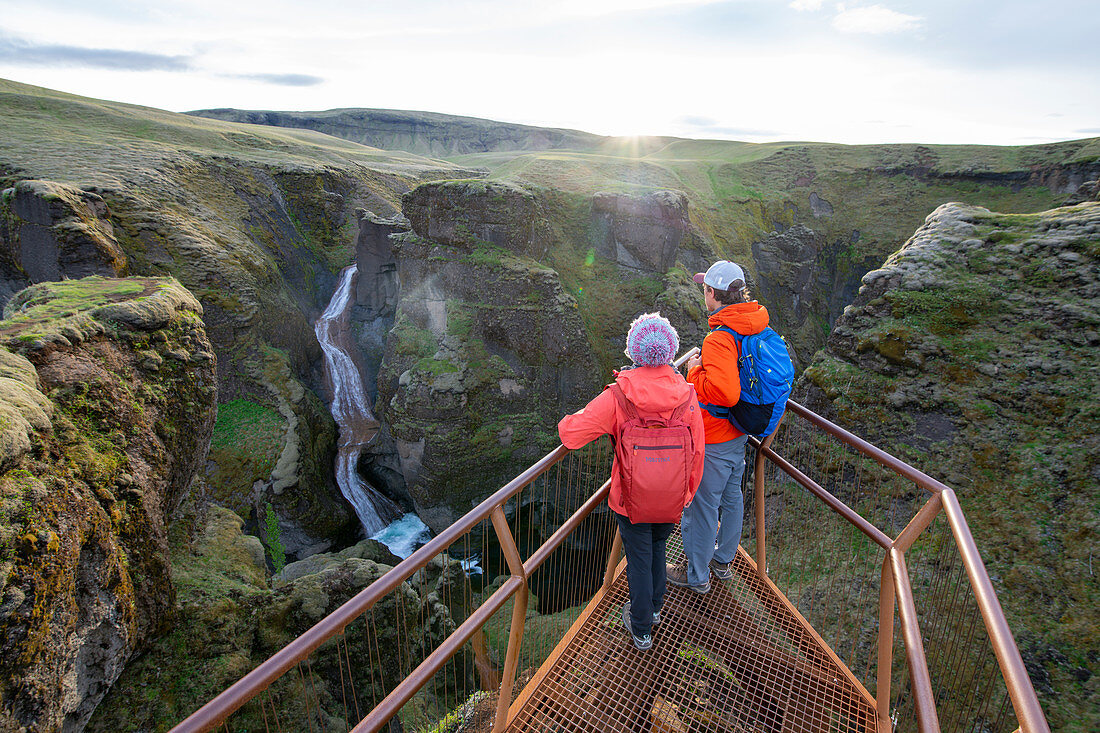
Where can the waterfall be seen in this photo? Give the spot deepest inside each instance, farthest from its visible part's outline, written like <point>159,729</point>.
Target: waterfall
<point>351,410</point>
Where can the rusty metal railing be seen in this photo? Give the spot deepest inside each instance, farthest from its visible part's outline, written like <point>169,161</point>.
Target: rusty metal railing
<point>818,539</point>
<point>859,549</point>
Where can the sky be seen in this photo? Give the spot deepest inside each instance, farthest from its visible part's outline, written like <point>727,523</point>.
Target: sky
<point>1001,72</point>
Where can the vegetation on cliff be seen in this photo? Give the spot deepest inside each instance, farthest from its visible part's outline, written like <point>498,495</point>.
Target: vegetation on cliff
<point>972,354</point>
<point>115,382</point>
<point>254,221</point>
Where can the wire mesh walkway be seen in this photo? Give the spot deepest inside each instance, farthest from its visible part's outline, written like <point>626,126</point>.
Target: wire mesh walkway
<point>738,659</point>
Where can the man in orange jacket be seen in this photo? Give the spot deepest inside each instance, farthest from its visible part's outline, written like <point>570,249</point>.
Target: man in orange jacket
<point>715,377</point>
<point>652,386</point>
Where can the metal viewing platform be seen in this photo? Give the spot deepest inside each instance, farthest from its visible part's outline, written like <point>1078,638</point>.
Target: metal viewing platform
<point>859,602</point>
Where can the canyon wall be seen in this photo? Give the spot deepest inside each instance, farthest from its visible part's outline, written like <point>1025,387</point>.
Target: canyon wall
<point>109,394</point>
<point>971,354</point>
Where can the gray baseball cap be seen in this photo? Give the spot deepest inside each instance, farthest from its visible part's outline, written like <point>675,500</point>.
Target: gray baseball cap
<point>720,275</point>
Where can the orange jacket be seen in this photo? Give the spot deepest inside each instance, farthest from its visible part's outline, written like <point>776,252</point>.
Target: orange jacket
<point>658,389</point>
<point>716,380</point>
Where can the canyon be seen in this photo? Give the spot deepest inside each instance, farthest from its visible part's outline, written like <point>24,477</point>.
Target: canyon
<point>490,292</point>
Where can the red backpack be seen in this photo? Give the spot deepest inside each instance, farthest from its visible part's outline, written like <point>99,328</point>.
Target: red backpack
<point>654,458</point>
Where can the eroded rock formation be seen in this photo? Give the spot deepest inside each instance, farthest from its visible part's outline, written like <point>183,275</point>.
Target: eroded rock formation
<point>971,353</point>
<point>114,383</point>
<point>50,231</point>
<point>486,349</point>
<point>647,233</point>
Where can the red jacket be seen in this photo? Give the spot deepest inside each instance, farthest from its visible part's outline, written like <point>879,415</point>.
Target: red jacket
<point>658,389</point>
<point>716,380</point>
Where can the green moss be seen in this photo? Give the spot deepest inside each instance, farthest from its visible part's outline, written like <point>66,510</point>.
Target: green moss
<point>412,341</point>
<point>943,311</point>
<point>435,367</point>
<point>248,438</point>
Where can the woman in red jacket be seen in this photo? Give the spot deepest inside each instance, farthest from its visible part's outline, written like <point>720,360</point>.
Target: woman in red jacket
<point>652,387</point>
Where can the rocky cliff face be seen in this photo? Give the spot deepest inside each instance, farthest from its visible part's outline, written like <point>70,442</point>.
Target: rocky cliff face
<point>972,354</point>
<point>512,307</point>
<point>485,350</point>
<point>646,234</point>
<point>806,283</point>
<point>256,227</point>
<point>50,231</point>
<point>109,394</point>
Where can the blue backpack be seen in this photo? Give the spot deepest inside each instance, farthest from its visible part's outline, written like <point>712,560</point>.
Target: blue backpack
<point>767,378</point>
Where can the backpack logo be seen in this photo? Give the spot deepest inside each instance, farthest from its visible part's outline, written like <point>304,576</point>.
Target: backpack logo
<point>653,456</point>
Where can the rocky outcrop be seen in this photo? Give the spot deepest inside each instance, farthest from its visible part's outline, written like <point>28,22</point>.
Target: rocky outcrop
<point>971,353</point>
<point>485,351</point>
<point>50,231</point>
<point>806,282</point>
<point>472,213</point>
<point>112,387</point>
<point>424,133</point>
<point>376,292</point>
<point>646,233</point>
<point>229,622</point>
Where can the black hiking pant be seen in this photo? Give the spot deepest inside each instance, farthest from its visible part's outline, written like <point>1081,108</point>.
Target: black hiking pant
<point>644,547</point>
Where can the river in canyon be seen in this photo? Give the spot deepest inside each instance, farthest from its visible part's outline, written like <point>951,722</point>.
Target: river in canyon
<point>382,518</point>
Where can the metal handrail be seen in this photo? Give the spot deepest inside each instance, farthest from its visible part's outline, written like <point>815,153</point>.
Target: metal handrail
<point>895,585</point>
<point>232,699</point>
<point>894,588</point>
<point>880,456</point>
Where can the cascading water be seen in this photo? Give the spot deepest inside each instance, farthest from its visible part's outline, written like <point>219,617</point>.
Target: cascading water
<point>351,410</point>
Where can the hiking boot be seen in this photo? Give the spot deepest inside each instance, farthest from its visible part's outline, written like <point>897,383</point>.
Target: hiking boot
<point>678,576</point>
<point>721,570</point>
<point>640,642</point>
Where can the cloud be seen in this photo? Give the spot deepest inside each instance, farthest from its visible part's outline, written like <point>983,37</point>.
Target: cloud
<point>873,19</point>
<point>709,126</point>
<point>14,50</point>
<point>286,80</point>
<point>698,121</point>
<point>1089,131</point>
<point>801,5</point>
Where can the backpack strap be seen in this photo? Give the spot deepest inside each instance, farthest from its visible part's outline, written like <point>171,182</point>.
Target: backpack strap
<point>625,404</point>
<point>721,412</point>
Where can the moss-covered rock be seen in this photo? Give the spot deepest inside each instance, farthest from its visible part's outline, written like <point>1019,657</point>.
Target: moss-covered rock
<point>972,353</point>
<point>486,350</point>
<point>647,233</point>
<point>51,231</point>
<point>229,622</point>
<point>84,577</point>
<point>476,212</point>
